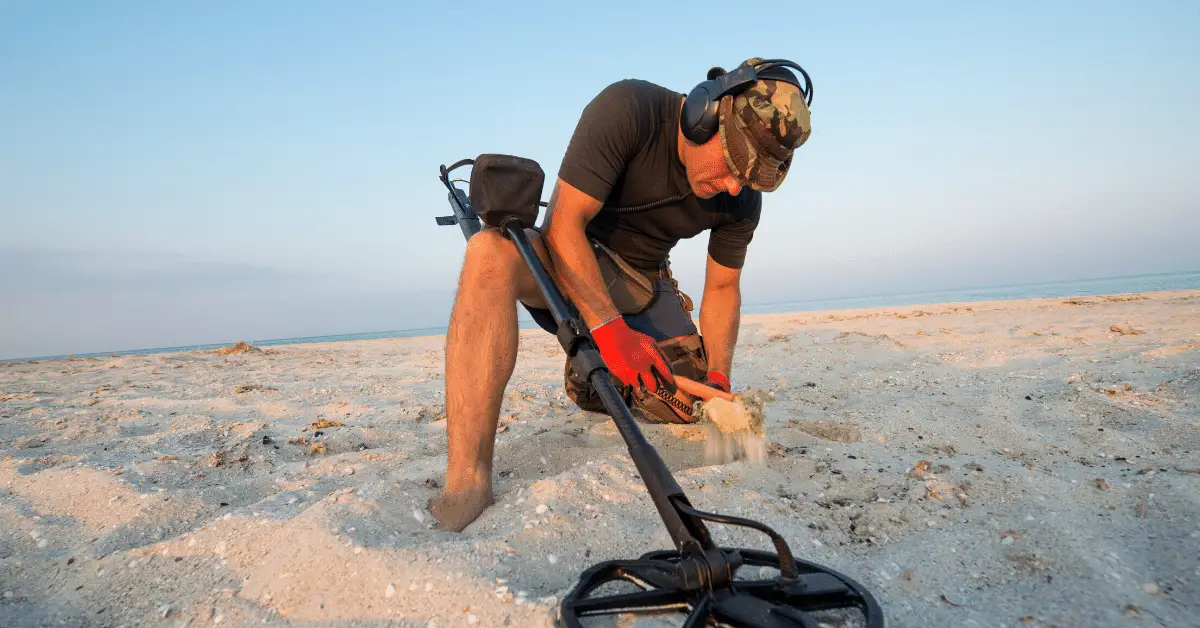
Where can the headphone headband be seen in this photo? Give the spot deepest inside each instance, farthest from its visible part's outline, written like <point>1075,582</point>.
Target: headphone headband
<point>699,117</point>
<point>746,75</point>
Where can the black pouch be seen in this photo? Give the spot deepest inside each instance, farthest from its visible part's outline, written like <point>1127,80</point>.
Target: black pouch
<point>631,291</point>
<point>504,188</point>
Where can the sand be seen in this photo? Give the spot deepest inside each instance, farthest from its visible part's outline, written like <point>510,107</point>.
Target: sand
<point>1020,463</point>
<point>736,427</point>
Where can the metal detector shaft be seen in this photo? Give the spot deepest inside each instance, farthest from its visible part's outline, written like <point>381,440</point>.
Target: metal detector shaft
<point>688,533</point>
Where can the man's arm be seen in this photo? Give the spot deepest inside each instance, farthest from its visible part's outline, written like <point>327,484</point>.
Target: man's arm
<point>567,214</point>
<point>720,314</point>
<point>610,130</point>
<point>631,356</point>
<point>720,310</point>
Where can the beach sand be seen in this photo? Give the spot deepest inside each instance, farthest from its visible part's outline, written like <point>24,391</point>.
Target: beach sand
<point>1014,463</point>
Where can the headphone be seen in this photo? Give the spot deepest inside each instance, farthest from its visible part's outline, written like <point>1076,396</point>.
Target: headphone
<point>701,116</point>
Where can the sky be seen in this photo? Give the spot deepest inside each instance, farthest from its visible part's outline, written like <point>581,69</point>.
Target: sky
<point>201,172</point>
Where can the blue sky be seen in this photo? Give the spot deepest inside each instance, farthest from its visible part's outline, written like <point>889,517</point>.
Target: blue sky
<point>188,172</point>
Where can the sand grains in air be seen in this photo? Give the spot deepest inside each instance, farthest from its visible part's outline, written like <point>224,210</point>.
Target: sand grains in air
<point>736,429</point>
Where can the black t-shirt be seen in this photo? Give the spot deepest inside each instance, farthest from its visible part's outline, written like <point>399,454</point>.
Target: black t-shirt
<point>624,151</point>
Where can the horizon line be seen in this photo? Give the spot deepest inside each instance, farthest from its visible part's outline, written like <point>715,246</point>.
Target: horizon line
<point>415,332</point>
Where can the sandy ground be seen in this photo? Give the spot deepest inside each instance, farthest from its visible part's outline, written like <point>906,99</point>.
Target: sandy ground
<point>1026,463</point>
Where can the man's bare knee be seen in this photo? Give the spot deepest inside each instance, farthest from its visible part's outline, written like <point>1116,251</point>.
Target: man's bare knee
<point>490,247</point>
<point>491,256</point>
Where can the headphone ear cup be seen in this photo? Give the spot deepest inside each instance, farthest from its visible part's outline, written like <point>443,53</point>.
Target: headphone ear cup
<point>699,117</point>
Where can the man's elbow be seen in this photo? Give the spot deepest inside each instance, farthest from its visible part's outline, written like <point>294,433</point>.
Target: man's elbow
<point>726,291</point>
<point>721,279</point>
<point>718,276</point>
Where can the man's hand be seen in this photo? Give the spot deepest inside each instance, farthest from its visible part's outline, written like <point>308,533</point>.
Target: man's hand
<point>717,380</point>
<point>633,357</point>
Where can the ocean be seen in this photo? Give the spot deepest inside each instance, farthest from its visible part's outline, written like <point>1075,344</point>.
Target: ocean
<point>1185,280</point>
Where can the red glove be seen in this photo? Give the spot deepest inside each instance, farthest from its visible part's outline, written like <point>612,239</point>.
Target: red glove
<point>717,380</point>
<point>633,357</point>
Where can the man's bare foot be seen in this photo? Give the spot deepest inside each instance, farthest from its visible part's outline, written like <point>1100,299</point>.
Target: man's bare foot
<point>456,510</point>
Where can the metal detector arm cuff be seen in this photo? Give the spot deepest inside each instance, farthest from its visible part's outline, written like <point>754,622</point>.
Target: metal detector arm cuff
<point>580,347</point>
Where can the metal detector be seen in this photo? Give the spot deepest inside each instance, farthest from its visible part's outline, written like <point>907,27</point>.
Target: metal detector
<point>697,579</point>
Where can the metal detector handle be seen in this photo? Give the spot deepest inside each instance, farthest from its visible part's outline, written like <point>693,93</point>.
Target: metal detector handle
<point>688,533</point>
<point>460,203</point>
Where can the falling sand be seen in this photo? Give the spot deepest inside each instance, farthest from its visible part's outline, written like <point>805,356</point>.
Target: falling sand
<point>735,428</point>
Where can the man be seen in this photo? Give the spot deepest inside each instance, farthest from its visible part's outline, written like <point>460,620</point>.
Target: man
<point>633,182</point>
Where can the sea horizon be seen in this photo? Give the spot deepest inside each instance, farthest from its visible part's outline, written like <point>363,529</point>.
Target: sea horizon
<point>1123,284</point>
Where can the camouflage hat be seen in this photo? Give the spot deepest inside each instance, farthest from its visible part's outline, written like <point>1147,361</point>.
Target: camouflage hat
<point>760,128</point>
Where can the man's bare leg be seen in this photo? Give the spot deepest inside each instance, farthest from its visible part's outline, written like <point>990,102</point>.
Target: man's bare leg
<point>481,351</point>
